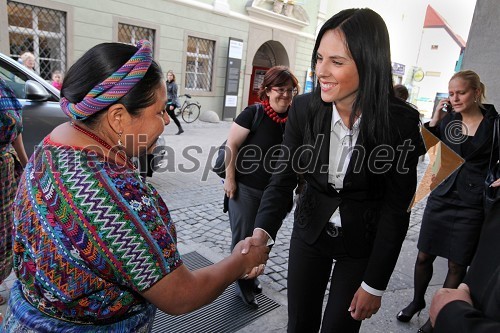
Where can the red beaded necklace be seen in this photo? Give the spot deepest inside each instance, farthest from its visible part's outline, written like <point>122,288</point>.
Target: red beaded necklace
<point>104,144</point>
<point>272,114</point>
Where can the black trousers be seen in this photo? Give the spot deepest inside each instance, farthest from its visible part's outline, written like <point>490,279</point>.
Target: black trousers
<point>171,114</point>
<point>309,269</point>
<point>242,211</point>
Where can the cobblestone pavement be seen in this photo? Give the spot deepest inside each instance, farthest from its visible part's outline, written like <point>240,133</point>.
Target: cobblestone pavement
<point>195,202</point>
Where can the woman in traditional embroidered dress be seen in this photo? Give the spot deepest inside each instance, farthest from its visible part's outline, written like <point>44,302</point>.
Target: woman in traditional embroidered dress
<point>12,160</point>
<point>95,249</point>
<point>245,179</point>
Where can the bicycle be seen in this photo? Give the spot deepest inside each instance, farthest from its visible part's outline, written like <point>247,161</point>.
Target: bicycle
<point>190,110</point>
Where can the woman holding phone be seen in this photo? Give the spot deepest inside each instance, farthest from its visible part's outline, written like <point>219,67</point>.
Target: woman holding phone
<point>454,213</point>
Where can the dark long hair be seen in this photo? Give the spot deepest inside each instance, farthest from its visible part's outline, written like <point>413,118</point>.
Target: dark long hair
<point>367,40</point>
<point>96,65</point>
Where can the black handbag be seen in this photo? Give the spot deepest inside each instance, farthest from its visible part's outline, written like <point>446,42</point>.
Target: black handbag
<point>492,194</point>
<point>220,164</point>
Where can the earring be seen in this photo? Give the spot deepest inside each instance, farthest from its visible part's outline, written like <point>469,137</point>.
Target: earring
<point>120,139</point>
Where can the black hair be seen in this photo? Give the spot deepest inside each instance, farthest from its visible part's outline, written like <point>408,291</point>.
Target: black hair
<point>96,65</point>
<point>400,91</point>
<point>367,40</point>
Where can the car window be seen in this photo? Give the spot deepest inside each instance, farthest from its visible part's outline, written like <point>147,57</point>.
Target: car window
<point>14,79</point>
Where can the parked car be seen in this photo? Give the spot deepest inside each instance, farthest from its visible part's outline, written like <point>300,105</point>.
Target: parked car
<point>40,101</point>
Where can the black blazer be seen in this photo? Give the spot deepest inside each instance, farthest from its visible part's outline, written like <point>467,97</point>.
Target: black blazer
<point>373,208</point>
<point>469,177</point>
<point>483,279</point>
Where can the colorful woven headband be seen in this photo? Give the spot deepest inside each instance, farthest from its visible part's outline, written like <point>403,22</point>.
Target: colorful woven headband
<point>114,87</point>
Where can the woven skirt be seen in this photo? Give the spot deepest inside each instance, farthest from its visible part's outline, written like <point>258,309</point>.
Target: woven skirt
<point>22,317</point>
<point>8,186</point>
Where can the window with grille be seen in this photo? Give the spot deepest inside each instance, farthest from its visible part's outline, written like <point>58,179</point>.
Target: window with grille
<point>199,64</point>
<point>131,34</point>
<point>41,31</point>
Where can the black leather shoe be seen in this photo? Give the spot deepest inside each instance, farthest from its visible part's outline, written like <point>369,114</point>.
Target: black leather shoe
<point>180,131</point>
<point>257,287</point>
<point>407,313</point>
<point>244,289</point>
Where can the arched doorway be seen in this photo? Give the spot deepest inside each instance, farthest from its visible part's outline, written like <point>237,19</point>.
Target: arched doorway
<point>269,54</point>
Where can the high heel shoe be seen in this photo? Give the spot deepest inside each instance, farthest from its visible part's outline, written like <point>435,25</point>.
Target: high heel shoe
<point>427,328</point>
<point>407,313</point>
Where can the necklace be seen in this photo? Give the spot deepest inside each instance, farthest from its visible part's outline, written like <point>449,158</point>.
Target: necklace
<point>272,114</point>
<point>104,144</point>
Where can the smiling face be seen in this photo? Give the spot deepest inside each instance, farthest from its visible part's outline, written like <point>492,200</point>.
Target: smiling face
<point>336,71</point>
<point>462,96</point>
<point>280,97</point>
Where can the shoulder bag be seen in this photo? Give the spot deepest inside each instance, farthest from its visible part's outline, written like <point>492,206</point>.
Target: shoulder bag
<point>492,194</point>
<point>220,163</point>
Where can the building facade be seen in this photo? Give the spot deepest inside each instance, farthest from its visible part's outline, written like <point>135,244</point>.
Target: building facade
<point>190,37</point>
<point>483,48</point>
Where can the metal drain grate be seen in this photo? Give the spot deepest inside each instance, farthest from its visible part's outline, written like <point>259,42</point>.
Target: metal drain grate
<point>226,314</point>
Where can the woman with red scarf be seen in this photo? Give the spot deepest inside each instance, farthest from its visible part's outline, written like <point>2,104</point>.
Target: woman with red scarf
<point>250,164</point>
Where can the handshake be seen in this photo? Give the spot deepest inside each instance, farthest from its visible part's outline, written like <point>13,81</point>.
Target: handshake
<point>253,253</point>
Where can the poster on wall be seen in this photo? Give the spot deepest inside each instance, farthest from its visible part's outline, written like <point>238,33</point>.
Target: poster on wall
<point>234,56</point>
<point>258,79</point>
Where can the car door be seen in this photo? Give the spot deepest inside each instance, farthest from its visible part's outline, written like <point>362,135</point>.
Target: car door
<point>41,111</point>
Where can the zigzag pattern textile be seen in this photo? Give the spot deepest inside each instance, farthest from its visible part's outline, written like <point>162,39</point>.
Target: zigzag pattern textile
<point>114,87</point>
<point>89,236</point>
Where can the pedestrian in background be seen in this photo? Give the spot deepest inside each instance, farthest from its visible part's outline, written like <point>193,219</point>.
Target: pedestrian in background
<point>12,161</point>
<point>173,100</point>
<point>400,91</point>
<point>454,213</point>
<point>28,60</point>
<point>56,79</point>
<point>246,175</point>
<point>350,212</point>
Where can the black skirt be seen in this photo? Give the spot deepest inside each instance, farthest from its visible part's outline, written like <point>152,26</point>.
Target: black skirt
<point>450,228</point>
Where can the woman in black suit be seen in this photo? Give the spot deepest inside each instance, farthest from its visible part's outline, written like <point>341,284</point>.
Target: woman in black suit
<point>357,146</point>
<point>454,213</point>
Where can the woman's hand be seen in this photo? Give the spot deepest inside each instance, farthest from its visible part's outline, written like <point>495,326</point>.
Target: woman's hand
<point>171,107</point>
<point>230,187</point>
<point>496,183</point>
<point>439,113</point>
<point>254,259</point>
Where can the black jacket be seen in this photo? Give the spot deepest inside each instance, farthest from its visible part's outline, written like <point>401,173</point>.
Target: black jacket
<point>469,177</point>
<point>373,208</point>
<point>483,279</point>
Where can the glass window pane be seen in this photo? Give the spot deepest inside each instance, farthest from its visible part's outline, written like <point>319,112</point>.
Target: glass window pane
<point>46,39</point>
<point>199,63</point>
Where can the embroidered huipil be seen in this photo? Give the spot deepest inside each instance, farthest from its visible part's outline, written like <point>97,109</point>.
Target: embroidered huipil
<point>89,236</point>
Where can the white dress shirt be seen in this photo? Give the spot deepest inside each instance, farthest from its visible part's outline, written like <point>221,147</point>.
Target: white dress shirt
<point>342,141</point>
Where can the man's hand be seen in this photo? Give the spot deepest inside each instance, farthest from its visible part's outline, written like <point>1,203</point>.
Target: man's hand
<point>364,304</point>
<point>444,296</point>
